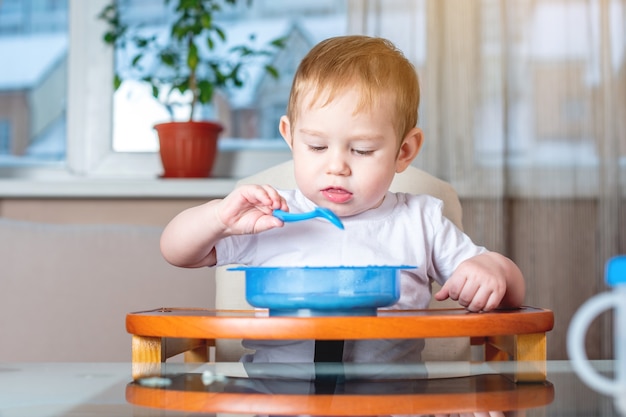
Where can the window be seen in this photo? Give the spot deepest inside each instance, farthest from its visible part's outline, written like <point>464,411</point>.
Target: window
<point>33,83</point>
<point>80,126</point>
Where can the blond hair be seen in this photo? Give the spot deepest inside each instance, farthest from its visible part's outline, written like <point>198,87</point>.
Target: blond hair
<point>373,65</point>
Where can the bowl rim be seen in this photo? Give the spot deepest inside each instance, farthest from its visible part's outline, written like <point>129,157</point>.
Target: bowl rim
<point>339,267</point>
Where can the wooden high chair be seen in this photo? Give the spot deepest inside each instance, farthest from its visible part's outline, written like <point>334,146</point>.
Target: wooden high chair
<point>517,334</point>
<point>507,335</point>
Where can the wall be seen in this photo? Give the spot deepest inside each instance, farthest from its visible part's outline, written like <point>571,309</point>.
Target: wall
<point>153,212</point>
<point>70,271</point>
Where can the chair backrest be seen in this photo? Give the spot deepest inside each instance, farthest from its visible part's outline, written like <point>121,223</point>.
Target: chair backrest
<point>230,291</point>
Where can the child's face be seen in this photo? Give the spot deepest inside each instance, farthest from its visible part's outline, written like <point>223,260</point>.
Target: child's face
<point>343,160</point>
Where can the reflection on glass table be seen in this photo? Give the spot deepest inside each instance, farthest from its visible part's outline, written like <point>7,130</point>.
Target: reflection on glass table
<point>329,389</point>
<point>446,388</point>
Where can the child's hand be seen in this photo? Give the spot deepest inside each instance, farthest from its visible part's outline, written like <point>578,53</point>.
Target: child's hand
<point>485,282</point>
<point>189,239</point>
<point>248,209</point>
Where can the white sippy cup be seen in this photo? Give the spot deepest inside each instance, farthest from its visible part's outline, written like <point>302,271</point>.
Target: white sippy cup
<point>616,300</point>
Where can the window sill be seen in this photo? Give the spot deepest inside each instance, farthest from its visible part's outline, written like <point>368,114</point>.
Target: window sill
<point>128,175</point>
<point>116,188</point>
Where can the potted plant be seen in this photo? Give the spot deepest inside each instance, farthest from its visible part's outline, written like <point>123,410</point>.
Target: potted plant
<point>192,59</point>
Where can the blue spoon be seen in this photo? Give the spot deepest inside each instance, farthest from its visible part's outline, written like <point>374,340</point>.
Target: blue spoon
<point>318,212</point>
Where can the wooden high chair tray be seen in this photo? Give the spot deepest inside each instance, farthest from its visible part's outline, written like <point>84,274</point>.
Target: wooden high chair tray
<point>388,324</point>
<point>471,394</point>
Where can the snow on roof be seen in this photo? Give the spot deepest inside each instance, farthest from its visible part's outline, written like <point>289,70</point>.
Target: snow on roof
<point>264,31</point>
<point>27,59</point>
<point>314,29</point>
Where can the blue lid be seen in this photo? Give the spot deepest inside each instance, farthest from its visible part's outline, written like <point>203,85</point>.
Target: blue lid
<point>616,270</point>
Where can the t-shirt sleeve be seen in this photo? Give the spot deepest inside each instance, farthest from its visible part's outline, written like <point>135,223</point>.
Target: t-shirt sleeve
<point>450,247</point>
<point>235,250</point>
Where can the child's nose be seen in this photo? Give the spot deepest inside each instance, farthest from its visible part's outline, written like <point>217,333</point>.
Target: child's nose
<point>338,164</point>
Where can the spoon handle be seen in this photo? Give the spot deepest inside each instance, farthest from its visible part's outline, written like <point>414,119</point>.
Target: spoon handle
<point>293,217</point>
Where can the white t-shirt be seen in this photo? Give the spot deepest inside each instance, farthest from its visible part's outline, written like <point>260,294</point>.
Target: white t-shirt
<point>405,229</point>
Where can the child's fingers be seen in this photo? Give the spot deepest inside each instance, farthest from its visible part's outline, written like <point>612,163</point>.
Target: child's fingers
<point>471,295</point>
<point>262,197</point>
<point>265,223</point>
<point>480,300</point>
<point>454,287</point>
<point>274,199</point>
<point>493,302</point>
<point>442,294</point>
<point>468,295</point>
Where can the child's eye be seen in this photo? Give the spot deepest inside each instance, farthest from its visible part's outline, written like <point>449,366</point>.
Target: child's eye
<point>317,148</point>
<point>362,152</point>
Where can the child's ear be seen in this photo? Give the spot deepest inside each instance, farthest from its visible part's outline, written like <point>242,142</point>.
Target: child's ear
<point>410,147</point>
<point>284,127</point>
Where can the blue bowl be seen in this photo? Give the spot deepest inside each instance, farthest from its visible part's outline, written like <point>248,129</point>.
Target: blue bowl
<point>322,291</point>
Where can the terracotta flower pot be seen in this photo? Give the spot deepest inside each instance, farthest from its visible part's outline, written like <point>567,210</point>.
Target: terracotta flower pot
<point>188,149</point>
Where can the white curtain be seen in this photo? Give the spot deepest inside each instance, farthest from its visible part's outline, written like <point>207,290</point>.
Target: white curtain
<point>524,112</point>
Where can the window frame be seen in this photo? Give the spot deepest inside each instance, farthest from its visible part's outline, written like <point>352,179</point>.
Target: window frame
<point>90,102</point>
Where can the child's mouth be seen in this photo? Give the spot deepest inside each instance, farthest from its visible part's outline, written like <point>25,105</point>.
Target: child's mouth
<point>337,195</point>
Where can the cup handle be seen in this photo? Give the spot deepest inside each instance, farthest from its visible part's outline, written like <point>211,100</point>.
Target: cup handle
<point>576,341</point>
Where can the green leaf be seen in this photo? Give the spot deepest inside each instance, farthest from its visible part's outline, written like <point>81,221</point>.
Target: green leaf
<point>279,43</point>
<point>234,75</point>
<point>141,42</point>
<point>168,58</point>
<point>183,86</point>
<point>220,33</point>
<point>109,37</point>
<point>206,20</point>
<point>206,91</point>
<point>117,81</point>
<point>242,50</point>
<point>272,71</point>
<point>192,57</point>
<point>220,79</point>
<point>136,59</point>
